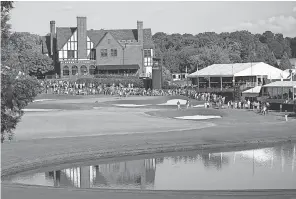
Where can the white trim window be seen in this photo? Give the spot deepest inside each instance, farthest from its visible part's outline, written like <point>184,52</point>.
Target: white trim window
<point>113,52</point>
<point>147,57</point>
<point>104,53</point>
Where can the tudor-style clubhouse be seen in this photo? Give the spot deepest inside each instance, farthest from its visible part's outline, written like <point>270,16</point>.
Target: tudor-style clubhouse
<point>77,51</point>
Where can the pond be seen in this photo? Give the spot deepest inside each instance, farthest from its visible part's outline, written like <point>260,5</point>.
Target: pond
<point>261,168</point>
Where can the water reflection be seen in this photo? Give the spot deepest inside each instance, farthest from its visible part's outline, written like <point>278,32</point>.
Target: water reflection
<point>268,168</point>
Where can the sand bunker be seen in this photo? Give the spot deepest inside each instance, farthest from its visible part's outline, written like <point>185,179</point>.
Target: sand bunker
<point>174,102</point>
<point>199,106</point>
<point>40,110</point>
<point>41,100</point>
<point>131,105</point>
<point>198,117</point>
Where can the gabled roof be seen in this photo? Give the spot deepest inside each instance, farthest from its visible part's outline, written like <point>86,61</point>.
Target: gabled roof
<point>104,37</point>
<point>148,42</point>
<point>241,70</point>
<point>63,35</point>
<point>222,69</point>
<point>96,35</point>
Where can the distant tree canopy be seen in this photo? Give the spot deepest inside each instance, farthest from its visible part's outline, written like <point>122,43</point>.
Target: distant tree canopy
<point>192,52</point>
<point>23,51</point>
<point>285,63</point>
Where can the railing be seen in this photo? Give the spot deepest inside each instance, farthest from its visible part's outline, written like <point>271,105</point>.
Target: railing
<point>145,75</point>
<point>77,61</point>
<point>214,90</point>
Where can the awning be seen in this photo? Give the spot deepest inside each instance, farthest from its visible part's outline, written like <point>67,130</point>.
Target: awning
<point>256,89</point>
<point>118,67</point>
<point>282,84</point>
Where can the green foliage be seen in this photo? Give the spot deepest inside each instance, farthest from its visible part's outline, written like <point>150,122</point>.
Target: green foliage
<point>285,62</point>
<point>209,55</point>
<point>16,92</point>
<point>23,52</point>
<point>181,51</point>
<point>6,6</point>
<point>19,52</point>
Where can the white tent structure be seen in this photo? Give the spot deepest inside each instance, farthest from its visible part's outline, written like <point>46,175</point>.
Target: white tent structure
<point>253,92</point>
<point>246,75</point>
<point>240,70</point>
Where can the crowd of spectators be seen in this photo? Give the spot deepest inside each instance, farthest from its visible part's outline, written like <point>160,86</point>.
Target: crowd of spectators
<point>210,99</point>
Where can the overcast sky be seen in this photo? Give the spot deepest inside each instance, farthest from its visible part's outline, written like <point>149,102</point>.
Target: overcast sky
<point>169,17</point>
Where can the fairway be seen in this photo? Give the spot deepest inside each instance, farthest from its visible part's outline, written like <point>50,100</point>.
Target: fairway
<point>89,128</point>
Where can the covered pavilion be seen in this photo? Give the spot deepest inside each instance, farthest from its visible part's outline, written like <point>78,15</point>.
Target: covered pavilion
<point>280,91</point>
<point>245,75</point>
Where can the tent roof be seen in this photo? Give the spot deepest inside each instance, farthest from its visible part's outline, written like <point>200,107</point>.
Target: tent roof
<point>241,69</point>
<point>282,84</point>
<point>253,90</point>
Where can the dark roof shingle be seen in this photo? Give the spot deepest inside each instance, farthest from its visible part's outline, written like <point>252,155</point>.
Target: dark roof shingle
<point>64,34</point>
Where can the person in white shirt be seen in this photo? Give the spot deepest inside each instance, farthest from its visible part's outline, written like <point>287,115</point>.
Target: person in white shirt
<point>179,105</point>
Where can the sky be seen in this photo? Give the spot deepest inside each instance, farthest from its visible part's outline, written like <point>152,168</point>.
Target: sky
<point>191,17</point>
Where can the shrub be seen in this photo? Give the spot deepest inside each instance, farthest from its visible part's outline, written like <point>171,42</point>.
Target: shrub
<point>16,92</point>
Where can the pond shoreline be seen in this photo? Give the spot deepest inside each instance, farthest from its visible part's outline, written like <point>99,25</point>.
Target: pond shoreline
<point>62,160</point>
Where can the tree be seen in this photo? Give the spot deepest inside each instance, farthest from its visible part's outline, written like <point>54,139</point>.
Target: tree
<point>285,62</point>
<point>209,55</point>
<point>6,6</point>
<point>17,90</point>
<point>23,52</point>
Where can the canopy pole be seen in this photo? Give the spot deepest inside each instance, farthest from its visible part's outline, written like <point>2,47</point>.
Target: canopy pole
<point>221,83</point>
<point>209,82</point>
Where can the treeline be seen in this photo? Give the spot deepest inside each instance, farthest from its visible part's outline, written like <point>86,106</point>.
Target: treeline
<point>192,52</point>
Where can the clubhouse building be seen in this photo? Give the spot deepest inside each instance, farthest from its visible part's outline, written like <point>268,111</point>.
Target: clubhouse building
<point>77,51</point>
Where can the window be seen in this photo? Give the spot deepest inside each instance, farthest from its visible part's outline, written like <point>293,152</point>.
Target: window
<point>114,52</point>
<point>109,41</point>
<point>66,71</point>
<point>93,54</point>
<point>92,70</point>
<point>83,70</point>
<point>71,54</point>
<point>74,70</point>
<point>104,53</point>
<point>147,53</point>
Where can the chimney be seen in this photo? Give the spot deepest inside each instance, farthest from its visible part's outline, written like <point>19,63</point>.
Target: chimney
<point>81,37</point>
<point>52,34</point>
<point>140,32</point>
